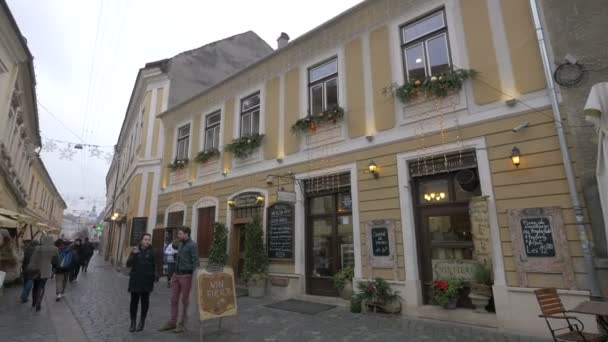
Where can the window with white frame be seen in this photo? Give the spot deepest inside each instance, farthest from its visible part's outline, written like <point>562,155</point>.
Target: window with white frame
<point>212,131</point>
<point>183,140</point>
<point>323,86</point>
<point>250,115</point>
<point>425,46</point>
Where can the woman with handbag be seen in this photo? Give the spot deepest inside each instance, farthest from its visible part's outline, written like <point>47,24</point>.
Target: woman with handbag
<point>141,280</point>
<point>40,266</point>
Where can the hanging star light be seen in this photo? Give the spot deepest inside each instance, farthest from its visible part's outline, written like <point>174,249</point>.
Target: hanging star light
<point>95,151</point>
<point>108,157</point>
<point>49,146</point>
<point>67,153</point>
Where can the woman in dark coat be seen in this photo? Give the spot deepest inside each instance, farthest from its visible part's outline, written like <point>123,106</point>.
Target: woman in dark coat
<point>141,279</point>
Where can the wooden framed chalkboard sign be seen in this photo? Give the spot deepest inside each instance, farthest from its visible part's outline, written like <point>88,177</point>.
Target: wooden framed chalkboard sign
<point>539,243</point>
<point>381,243</point>
<point>279,231</point>
<point>138,229</point>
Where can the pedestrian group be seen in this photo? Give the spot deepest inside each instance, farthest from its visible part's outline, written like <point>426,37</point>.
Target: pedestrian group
<point>64,261</point>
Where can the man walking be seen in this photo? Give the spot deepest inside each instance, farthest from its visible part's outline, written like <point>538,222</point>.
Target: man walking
<point>28,281</point>
<point>87,251</point>
<point>78,257</point>
<point>62,265</point>
<point>40,265</point>
<point>186,263</point>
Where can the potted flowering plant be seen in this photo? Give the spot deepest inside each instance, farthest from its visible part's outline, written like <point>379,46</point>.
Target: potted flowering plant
<point>178,164</point>
<point>343,281</point>
<point>377,295</point>
<point>446,292</point>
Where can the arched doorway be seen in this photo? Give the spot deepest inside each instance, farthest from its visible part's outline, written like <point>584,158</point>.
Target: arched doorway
<point>242,207</point>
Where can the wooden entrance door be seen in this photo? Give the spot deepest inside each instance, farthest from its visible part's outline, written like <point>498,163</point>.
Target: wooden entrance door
<point>237,250</point>
<point>444,234</point>
<point>158,243</point>
<point>329,241</point>
<point>206,219</point>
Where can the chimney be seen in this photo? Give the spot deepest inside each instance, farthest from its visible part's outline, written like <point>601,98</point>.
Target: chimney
<point>282,40</point>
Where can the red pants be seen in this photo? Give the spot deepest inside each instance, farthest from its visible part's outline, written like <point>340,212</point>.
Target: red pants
<point>180,286</point>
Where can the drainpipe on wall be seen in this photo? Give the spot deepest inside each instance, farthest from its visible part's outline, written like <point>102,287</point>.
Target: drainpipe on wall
<point>578,211</point>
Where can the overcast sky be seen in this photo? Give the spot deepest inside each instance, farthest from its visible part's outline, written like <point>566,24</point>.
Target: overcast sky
<point>87,54</point>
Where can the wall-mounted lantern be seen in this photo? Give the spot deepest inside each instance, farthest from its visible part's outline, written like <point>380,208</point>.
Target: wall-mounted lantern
<point>515,156</point>
<point>373,169</point>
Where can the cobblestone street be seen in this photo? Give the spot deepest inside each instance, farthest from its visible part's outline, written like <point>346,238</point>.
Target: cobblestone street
<point>99,302</point>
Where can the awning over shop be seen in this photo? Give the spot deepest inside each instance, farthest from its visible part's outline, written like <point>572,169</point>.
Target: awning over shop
<point>7,222</point>
<point>596,112</point>
<point>46,228</point>
<point>20,218</point>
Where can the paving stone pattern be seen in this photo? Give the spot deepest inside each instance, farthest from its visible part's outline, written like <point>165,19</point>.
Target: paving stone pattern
<point>100,302</point>
<point>18,322</point>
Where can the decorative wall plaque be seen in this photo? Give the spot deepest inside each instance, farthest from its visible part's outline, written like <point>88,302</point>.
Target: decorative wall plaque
<point>381,243</point>
<point>540,244</point>
<point>452,268</point>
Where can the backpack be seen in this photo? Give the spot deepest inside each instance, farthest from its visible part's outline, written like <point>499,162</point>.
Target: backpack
<point>65,259</point>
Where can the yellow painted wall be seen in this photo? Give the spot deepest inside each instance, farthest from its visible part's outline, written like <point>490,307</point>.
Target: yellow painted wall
<point>292,108</point>
<point>384,108</point>
<point>195,130</point>
<point>227,131</point>
<point>480,50</point>
<point>134,195</point>
<point>523,46</point>
<point>355,94</point>
<point>155,133</point>
<point>149,190</point>
<point>539,181</point>
<point>144,135</point>
<point>167,154</point>
<point>271,112</point>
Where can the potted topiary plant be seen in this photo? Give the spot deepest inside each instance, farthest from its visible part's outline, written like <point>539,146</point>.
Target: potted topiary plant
<point>377,296</point>
<point>255,268</point>
<point>446,292</point>
<point>343,280</point>
<point>481,287</point>
<point>217,256</point>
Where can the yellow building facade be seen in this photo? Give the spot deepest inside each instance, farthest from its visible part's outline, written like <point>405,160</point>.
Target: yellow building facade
<point>412,190</point>
<point>28,197</point>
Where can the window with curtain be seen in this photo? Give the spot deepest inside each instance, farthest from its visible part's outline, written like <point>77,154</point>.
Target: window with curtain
<point>425,46</point>
<point>323,86</point>
<point>250,115</point>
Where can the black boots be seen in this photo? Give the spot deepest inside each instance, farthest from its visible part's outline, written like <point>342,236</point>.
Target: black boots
<point>141,324</point>
<point>132,327</point>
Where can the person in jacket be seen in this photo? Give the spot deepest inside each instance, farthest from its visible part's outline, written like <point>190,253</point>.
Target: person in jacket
<point>40,265</point>
<point>141,280</point>
<point>87,250</point>
<point>170,251</point>
<point>62,266</point>
<point>79,256</point>
<point>185,264</point>
<point>28,281</point>
<point>8,257</point>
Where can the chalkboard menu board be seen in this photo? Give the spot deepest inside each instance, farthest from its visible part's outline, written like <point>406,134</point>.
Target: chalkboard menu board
<point>538,237</point>
<point>138,229</point>
<point>280,231</point>
<point>380,246</point>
